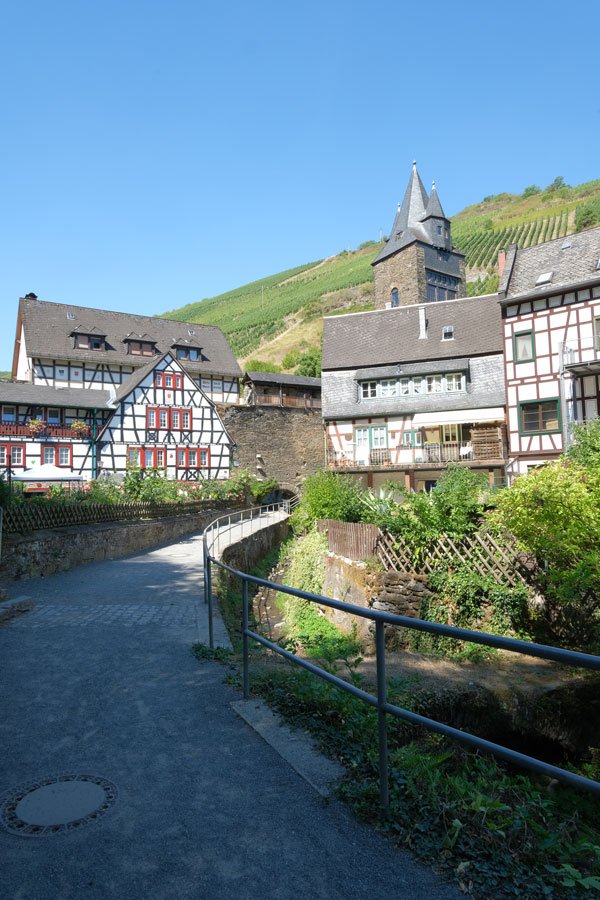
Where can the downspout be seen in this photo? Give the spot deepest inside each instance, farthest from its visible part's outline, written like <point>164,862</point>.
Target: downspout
<point>94,433</point>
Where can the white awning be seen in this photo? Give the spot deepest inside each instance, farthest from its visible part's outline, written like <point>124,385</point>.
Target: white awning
<point>460,416</point>
<point>46,472</point>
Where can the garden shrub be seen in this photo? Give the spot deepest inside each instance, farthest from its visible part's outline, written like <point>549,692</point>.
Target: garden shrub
<point>327,495</point>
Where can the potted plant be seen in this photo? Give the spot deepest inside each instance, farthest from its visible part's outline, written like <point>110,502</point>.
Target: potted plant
<point>80,429</point>
<point>36,426</point>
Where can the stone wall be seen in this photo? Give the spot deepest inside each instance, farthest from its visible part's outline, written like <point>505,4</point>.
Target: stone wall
<point>404,271</point>
<point>46,552</point>
<point>395,592</point>
<point>275,442</point>
<point>245,553</point>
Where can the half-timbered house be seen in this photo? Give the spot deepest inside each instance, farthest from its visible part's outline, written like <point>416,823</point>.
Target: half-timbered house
<point>161,419</point>
<point>408,390</point>
<point>74,405</point>
<point>550,300</point>
<point>61,345</point>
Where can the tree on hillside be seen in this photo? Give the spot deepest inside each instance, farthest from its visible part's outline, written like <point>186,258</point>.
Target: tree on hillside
<point>558,183</point>
<point>309,364</point>
<point>532,190</point>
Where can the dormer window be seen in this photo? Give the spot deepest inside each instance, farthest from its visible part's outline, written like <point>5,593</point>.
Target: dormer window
<point>140,344</point>
<point>88,340</point>
<point>395,297</point>
<point>448,333</point>
<point>191,353</point>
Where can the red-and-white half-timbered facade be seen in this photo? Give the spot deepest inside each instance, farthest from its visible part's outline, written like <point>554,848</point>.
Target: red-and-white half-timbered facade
<point>550,299</point>
<point>163,420</point>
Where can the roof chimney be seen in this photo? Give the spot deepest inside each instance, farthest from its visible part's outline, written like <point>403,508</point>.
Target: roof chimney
<point>501,261</point>
<point>422,323</point>
<point>31,296</point>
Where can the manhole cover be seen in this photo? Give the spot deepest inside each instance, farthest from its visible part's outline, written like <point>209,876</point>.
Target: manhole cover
<point>57,803</point>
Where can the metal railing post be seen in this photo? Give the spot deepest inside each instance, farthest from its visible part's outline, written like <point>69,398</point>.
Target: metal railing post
<point>246,675</point>
<point>211,637</point>
<point>204,558</point>
<point>384,795</point>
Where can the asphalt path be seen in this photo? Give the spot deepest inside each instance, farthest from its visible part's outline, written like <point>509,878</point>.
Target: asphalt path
<point>99,679</point>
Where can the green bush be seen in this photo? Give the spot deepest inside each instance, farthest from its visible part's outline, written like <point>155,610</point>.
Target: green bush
<point>261,365</point>
<point>532,190</point>
<point>327,495</point>
<point>585,449</point>
<point>587,215</point>
<point>309,363</point>
<point>553,512</point>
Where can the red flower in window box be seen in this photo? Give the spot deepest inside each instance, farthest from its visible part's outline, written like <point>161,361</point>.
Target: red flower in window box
<point>37,426</point>
<point>80,429</point>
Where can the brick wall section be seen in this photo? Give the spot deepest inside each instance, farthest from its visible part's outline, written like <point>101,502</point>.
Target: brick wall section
<point>404,271</point>
<point>289,441</point>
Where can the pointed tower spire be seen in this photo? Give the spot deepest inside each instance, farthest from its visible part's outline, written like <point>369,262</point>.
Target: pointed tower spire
<point>434,207</point>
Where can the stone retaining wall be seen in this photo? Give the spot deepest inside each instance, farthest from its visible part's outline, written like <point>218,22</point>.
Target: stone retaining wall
<point>394,592</point>
<point>245,553</point>
<point>46,552</point>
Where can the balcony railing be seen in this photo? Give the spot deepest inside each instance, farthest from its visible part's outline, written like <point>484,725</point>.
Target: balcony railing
<point>584,355</point>
<point>291,401</point>
<point>11,429</point>
<point>428,454</point>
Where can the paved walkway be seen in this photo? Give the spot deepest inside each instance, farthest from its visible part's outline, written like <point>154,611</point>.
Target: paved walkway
<point>99,679</point>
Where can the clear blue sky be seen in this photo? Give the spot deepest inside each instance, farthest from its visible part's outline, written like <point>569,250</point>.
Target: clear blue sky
<point>154,153</point>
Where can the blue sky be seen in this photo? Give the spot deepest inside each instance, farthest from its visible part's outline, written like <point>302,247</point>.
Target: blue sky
<point>156,153</point>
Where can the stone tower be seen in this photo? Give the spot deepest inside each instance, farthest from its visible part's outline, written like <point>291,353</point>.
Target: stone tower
<point>418,263</point>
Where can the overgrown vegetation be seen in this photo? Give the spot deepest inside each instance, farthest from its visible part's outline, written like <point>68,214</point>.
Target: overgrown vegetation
<point>305,627</point>
<point>498,833</point>
<point>148,486</point>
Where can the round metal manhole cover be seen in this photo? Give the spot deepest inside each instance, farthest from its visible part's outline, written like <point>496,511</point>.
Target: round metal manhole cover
<point>57,803</point>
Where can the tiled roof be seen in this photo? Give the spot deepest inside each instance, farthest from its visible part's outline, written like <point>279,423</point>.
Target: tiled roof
<point>41,395</point>
<point>49,326</point>
<point>567,260</point>
<point>391,336</point>
<point>278,378</point>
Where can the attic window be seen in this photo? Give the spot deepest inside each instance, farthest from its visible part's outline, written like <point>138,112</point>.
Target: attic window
<point>544,278</point>
<point>448,333</point>
<point>70,315</point>
<point>191,353</point>
<point>598,266</point>
<point>565,244</point>
<point>141,348</point>
<point>191,331</point>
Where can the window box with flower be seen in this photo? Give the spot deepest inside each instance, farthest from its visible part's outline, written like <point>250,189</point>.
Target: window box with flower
<point>80,429</point>
<point>37,426</point>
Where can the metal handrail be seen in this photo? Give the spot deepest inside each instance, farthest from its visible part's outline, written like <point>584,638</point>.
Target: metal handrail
<point>215,530</point>
<point>380,701</point>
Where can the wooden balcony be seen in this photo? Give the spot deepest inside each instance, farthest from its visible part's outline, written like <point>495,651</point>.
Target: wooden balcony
<point>470,452</point>
<point>290,401</point>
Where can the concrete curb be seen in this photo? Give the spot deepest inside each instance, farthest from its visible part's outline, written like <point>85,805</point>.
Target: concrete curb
<point>296,747</point>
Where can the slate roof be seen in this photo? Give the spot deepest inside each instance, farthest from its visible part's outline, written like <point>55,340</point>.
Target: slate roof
<point>391,336</point>
<point>41,395</point>
<point>49,326</point>
<point>572,259</point>
<point>280,379</point>
<point>409,225</point>
<point>485,388</point>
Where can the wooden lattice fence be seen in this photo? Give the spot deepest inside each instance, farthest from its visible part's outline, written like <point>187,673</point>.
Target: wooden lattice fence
<point>32,516</point>
<point>479,550</point>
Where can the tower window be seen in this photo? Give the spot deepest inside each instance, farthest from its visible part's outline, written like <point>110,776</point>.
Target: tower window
<point>441,287</point>
<point>439,229</point>
<point>395,298</point>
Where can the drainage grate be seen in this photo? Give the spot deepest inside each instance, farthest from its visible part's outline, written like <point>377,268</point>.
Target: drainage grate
<point>56,804</point>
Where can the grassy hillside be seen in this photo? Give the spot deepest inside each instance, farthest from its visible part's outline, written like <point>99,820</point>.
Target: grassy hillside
<point>279,317</point>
